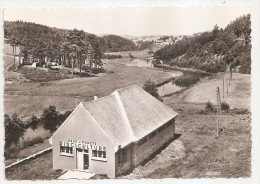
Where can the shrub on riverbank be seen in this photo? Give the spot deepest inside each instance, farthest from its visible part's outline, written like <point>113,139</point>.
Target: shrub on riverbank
<point>150,87</point>
<point>187,80</point>
<point>225,106</point>
<point>209,106</point>
<point>11,153</point>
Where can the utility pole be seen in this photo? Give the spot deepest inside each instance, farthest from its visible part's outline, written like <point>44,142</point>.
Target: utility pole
<point>223,87</point>
<point>14,52</point>
<point>163,67</point>
<point>227,87</point>
<point>217,115</point>
<point>218,109</point>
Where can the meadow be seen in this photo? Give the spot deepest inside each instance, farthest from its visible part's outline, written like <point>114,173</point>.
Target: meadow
<point>67,93</point>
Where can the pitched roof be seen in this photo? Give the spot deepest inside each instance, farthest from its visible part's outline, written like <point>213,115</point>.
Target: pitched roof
<point>129,114</point>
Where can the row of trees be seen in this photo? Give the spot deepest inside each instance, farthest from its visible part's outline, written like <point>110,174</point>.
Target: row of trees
<point>44,44</point>
<point>15,127</point>
<point>231,45</point>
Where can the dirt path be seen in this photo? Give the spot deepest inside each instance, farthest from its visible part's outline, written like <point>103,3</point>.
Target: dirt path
<point>239,91</point>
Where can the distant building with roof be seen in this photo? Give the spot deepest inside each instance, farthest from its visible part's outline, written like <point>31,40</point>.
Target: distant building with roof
<point>114,134</point>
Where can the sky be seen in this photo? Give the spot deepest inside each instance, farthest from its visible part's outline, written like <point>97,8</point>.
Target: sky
<point>136,21</point>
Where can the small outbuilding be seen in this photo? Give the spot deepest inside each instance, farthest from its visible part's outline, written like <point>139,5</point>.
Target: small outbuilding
<point>114,134</point>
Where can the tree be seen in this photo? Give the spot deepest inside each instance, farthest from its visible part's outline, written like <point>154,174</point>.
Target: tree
<point>150,87</point>
<point>14,43</point>
<point>77,47</point>
<point>34,122</point>
<point>14,129</point>
<point>50,118</point>
<point>230,60</point>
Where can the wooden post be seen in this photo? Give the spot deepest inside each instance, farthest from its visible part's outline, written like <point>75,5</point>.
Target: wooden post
<point>72,67</point>
<point>163,67</point>
<point>219,100</point>
<point>14,54</point>
<point>227,87</point>
<point>223,88</point>
<point>217,111</point>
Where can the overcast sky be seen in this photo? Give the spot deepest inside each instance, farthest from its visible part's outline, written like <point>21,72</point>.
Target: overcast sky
<point>132,20</point>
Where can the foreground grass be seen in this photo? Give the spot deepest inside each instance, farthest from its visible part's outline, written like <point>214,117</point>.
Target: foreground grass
<point>37,169</point>
<point>28,151</point>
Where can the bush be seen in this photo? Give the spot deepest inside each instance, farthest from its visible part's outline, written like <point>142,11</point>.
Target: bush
<point>32,142</point>
<point>11,152</point>
<point>63,117</point>
<point>150,87</point>
<point>187,80</point>
<point>240,111</point>
<point>131,55</point>
<point>33,122</point>
<point>209,106</point>
<point>50,117</point>
<point>224,106</point>
<point>14,129</point>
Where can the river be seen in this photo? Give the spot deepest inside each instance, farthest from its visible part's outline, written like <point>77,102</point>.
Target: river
<point>169,87</point>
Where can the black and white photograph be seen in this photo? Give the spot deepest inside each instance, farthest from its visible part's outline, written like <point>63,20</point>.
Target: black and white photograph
<point>127,92</point>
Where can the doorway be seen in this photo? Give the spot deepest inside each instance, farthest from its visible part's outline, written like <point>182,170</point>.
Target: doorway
<point>82,159</point>
<point>86,161</point>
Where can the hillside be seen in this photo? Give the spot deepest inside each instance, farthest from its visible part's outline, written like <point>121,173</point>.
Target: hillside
<point>43,44</point>
<point>116,43</point>
<point>215,50</point>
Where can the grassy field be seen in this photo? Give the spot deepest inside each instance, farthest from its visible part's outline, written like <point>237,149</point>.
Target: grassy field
<point>196,153</point>
<point>37,169</point>
<point>143,54</point>
<point>29,151</point>
<point>66,94</point>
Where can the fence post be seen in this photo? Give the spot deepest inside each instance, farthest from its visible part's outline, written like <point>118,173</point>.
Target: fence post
<point>223,87</point>
<point>217,111</point>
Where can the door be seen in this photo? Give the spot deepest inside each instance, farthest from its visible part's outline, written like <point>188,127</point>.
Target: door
<point>80,161</point>
<point>86,161</point>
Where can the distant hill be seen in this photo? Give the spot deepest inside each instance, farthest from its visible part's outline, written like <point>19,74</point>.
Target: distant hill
<point>116,43</point>
<point>215,50</point>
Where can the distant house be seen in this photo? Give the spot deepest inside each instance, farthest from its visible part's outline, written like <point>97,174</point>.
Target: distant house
<point>113,134</point>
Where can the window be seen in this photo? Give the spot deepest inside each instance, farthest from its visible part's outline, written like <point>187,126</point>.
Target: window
<point>65,150</point>
<point>99,155</point>
<point>85,150</point>
<point>94,153</point>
